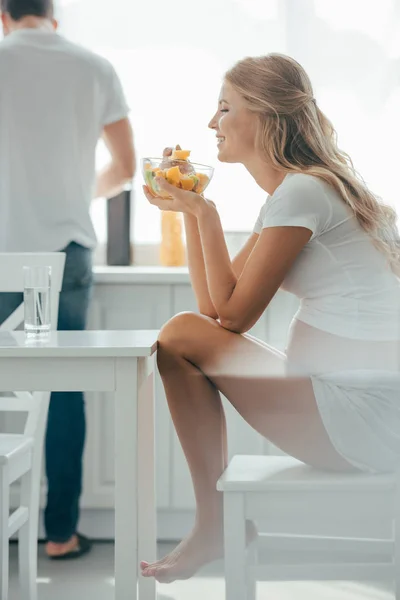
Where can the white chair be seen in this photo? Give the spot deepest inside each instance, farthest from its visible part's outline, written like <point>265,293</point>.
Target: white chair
<point>21,454</point>
<point>321,525</point>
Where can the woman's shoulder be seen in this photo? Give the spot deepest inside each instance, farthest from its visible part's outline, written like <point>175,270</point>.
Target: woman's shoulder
<point>303,182</point>
<point>312,193</point>
<point>304,192</point>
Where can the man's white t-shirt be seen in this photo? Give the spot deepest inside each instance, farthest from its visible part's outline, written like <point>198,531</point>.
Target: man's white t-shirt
<point>55,99</point>
<point>343,281</point>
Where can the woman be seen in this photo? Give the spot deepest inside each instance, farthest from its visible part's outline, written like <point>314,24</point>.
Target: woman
<point>333,400</point>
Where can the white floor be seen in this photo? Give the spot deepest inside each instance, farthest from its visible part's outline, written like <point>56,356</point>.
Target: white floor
<point>92,577</point>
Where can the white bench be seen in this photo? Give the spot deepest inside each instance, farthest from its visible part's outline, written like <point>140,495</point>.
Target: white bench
<point>319,525</point>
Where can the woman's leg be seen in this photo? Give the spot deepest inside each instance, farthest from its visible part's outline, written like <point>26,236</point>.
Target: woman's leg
<point>196,358</point>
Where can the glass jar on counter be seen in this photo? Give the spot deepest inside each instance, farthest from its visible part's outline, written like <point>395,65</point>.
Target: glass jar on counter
<point>172,247</point>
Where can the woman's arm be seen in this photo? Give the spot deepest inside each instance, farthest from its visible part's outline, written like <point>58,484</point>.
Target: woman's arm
<point>242,256</point>
<point>240,301</point>
<point>197,268</point>
<point>195,259</point>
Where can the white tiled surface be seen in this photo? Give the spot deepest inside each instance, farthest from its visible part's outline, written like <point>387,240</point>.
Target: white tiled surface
<point>92,577</point>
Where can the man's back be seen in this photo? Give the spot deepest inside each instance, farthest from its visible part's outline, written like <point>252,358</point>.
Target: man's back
<point>55,100</point>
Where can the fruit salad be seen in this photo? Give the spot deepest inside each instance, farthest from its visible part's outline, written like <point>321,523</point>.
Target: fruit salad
<point>176,168</point>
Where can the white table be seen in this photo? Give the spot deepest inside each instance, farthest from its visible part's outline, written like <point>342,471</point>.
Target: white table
<point>107,361</point>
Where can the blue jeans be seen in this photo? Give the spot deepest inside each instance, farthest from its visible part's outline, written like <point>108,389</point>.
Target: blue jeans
<point>66,428</point>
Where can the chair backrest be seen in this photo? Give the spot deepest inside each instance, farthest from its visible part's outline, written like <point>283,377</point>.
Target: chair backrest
<point>11,280</point>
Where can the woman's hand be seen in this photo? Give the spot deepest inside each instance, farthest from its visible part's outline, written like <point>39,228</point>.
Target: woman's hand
<point>180,201</point>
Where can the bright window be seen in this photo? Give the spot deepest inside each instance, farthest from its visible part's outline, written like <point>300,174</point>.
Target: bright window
<point>171,57</point>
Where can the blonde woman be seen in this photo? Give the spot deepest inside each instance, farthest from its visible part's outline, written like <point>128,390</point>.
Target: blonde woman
<point>333,399</point>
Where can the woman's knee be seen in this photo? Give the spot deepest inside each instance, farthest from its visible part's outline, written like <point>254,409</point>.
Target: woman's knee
<point>180,329</point>
<point>174,338</point>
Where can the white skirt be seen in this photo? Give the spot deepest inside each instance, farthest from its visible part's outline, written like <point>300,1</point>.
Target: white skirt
<point>357,388</point>
<point>361,413</point>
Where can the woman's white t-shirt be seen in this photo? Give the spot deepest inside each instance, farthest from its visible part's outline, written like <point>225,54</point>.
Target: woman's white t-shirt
<point>343,281</point>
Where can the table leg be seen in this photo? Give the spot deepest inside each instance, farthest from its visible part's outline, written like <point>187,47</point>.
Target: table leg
<point>126,480</point>
<point>147,524</point>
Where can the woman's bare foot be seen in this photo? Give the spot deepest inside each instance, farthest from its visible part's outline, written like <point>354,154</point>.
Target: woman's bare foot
<point>53,549</point>
<point>199,548</point>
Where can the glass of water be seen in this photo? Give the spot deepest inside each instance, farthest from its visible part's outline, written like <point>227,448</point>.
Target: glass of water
<point>37,282</point>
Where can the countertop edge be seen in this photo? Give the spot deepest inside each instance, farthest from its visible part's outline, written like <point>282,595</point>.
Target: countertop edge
<point>140,275</point>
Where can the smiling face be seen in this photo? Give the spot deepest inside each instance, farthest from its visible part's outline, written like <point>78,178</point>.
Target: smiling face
<point>235,127</point>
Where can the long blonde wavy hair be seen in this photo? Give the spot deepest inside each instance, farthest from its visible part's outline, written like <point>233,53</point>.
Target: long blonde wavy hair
<point>295,136</point>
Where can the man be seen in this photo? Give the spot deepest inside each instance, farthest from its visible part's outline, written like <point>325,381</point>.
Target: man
<point>56,100</point>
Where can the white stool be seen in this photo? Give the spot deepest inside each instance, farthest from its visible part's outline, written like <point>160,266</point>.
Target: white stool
<point>320,525</point>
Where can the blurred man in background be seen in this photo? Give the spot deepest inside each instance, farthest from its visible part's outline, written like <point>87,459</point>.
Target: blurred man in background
<point>56,100</point>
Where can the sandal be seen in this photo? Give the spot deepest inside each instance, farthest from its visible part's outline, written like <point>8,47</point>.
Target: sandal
<point>83,547</point>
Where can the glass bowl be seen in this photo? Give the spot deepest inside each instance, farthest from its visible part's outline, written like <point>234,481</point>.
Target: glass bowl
<point>180,173</point>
